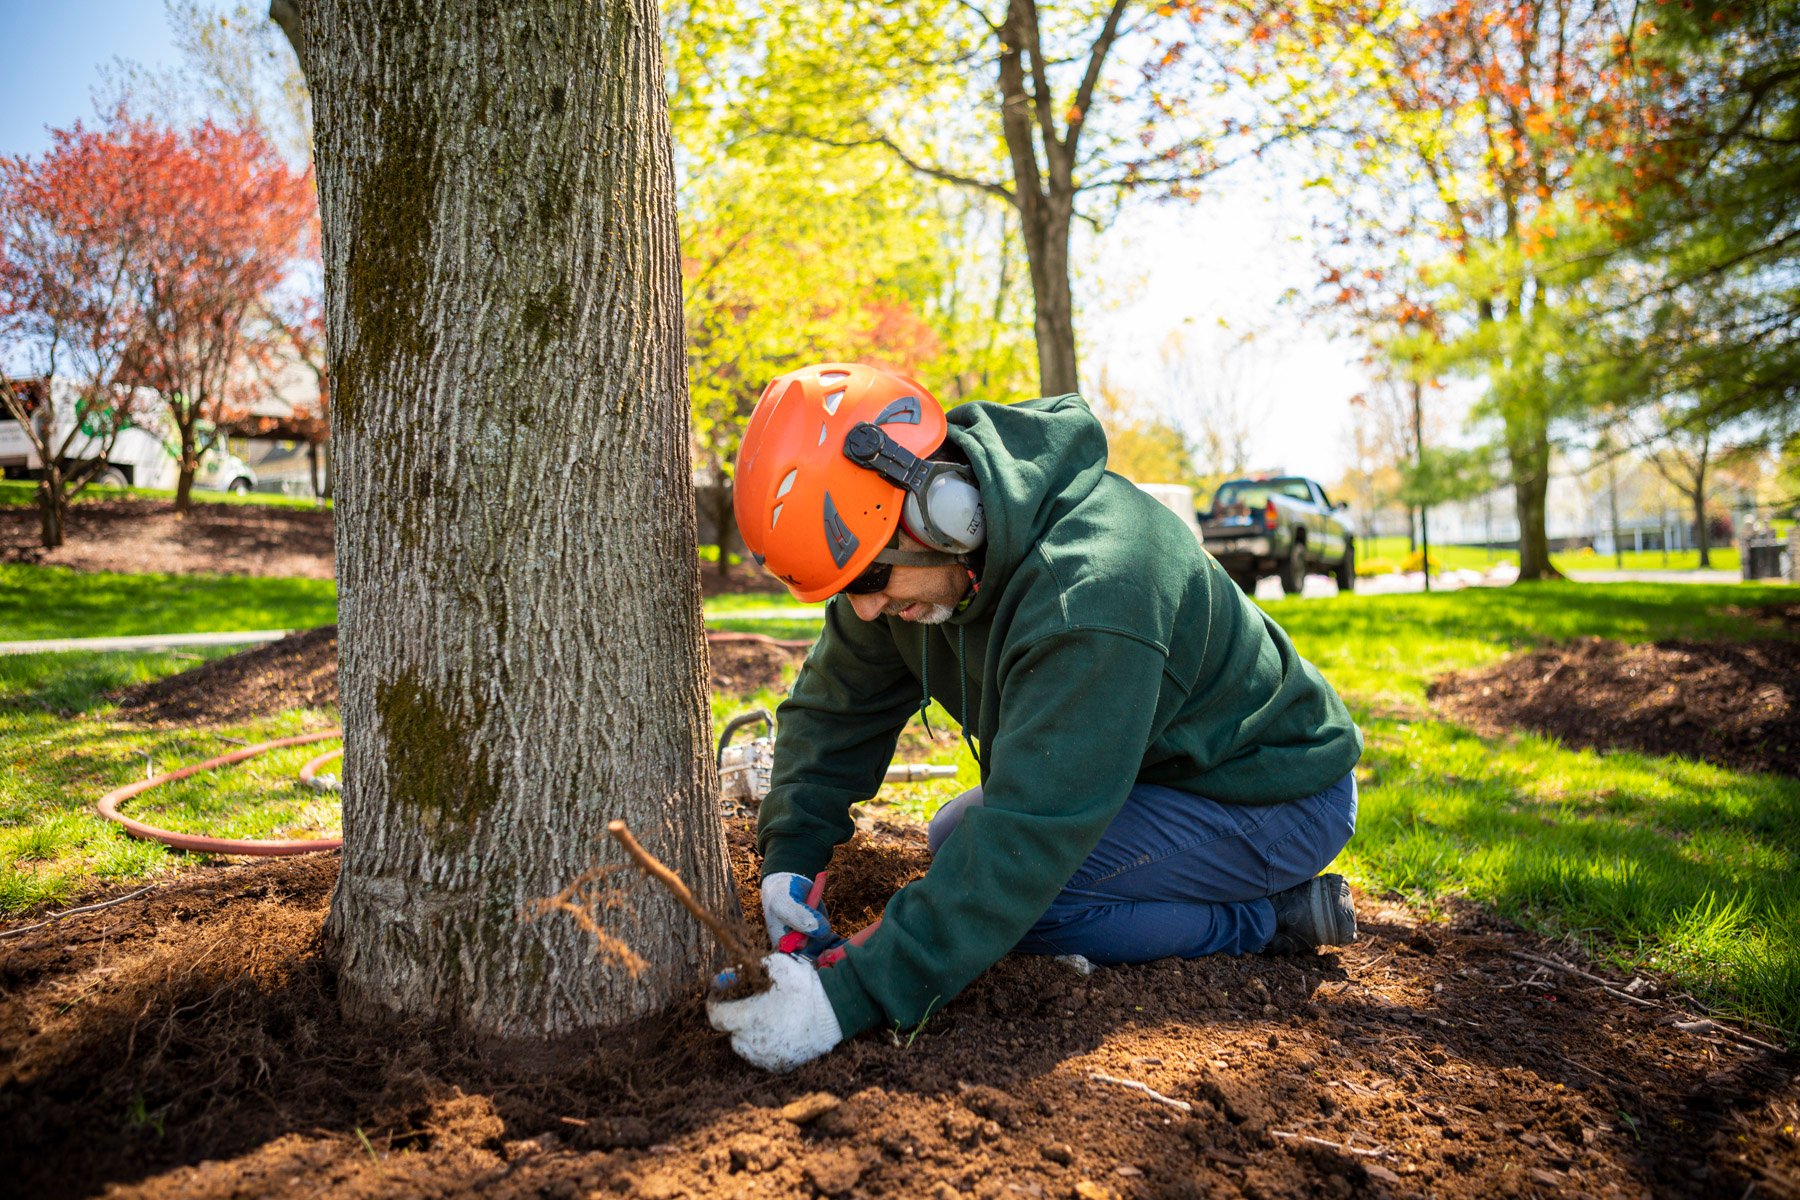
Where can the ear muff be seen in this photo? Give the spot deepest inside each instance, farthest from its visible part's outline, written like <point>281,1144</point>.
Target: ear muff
<point>948,515</point>
<point>942,507</point>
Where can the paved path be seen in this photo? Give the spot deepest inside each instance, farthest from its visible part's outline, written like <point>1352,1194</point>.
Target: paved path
<point>159,641</point>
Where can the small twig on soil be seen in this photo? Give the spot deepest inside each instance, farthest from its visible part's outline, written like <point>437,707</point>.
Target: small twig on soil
<point>1706,1025</point>
<point>86,908</point>
<point>1145,1088</point>
<point>1304,1137</point>
<point>749,961</point>
<point>1605,985</point>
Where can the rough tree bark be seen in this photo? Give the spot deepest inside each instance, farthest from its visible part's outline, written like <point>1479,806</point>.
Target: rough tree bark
<point>520,629</point>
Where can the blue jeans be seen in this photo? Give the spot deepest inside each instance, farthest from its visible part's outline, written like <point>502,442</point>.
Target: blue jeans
<point>1177,875</point>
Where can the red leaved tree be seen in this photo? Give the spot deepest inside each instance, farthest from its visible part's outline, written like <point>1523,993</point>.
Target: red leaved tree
<point>224,222</point>
<point>68,256</point>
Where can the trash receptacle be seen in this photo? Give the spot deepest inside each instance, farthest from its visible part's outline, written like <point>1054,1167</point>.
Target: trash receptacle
<point>1762,559</point>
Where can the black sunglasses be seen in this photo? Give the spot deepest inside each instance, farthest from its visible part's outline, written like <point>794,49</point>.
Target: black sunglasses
<point>873,579</point>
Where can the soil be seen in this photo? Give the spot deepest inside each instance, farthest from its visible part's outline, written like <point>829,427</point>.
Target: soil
<point>148,535</point>
<point>225,539</point>
<point>300,671</point>
<point>187,1043</point>
<point>1732,703</point>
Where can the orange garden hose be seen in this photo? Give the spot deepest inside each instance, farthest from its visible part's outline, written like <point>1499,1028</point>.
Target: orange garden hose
<point>109,806</point>
<point>109,803</point>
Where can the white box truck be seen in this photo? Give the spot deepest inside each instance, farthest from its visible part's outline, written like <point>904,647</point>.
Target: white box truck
<point>142,454</point>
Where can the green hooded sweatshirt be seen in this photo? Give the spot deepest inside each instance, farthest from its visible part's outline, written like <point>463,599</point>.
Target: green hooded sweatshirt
<point>1103,648</point>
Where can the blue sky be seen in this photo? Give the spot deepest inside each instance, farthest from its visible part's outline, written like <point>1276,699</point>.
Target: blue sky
<point>1217,265</point>
<point>55,50</point>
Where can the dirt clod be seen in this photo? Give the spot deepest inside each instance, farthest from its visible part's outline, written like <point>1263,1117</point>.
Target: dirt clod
<point>808,1109</point>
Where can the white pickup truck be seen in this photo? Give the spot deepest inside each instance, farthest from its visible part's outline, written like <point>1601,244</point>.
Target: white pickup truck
<point>141,455</point>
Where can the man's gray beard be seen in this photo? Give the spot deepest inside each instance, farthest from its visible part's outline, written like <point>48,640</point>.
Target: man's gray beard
<point>934,614</point>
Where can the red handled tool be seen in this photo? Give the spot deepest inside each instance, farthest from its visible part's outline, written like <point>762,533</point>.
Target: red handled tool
<point>793,941</point>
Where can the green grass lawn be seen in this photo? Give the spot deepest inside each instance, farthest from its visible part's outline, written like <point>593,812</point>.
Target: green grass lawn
<point>53,602</point>
<point>22,493</point>
<point>1456,558</point>
<point>1653,863</point>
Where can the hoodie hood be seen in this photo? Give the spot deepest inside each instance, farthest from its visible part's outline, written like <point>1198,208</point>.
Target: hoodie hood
<point>1033,462</point>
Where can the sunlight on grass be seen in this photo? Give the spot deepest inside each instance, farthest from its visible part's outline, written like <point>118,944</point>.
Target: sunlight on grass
<point>1655,863</point>
<point>54,602</point>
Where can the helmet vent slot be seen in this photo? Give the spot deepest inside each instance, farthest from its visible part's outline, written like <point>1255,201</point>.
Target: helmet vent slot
<point>821,433</point>
<point>776,515</point>
<point>832,401</point>
<point>787,485</point>
<point>829,378</point>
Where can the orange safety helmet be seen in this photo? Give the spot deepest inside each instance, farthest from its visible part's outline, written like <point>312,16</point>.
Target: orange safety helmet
<point>812,516</point>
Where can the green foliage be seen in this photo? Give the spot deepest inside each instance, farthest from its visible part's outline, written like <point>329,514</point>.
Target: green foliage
<point>795,251</point>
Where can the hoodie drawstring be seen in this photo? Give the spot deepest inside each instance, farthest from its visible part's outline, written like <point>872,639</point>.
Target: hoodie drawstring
<point>962,675</point>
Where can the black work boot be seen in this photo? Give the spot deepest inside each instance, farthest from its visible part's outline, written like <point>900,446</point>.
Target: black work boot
<point>1316,913</point>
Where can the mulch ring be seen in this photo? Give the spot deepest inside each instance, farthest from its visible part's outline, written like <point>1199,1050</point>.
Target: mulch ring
<point>187,1044</point>
<point>149,535</point>
<point>300,671</point>
<point>1732,703</point>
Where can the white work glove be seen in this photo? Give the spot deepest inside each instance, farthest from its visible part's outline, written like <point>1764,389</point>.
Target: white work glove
<point>790,1024</point>
<point>785,911</point>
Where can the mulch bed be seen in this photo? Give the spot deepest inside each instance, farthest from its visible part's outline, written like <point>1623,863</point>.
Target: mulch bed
<point>148,535</point>
<point>187,1044</point>
<point>1732,703</point>
<point>300,670</point>
<point>136,536</point>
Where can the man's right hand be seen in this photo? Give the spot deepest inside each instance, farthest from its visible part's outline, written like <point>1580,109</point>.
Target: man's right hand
<point>785,910</point>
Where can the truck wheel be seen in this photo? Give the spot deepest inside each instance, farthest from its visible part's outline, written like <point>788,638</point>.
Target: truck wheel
<point>1346,572</point>
<point>1293,570</point>
<point>111,477</point>
<point>239,487</point>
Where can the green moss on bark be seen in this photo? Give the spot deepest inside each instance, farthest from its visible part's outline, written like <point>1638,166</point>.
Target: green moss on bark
<point>436,763</point>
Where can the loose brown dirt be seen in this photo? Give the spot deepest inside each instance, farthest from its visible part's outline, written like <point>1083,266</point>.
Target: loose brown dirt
<point>300,670</point>
<point>1732,703</point>
<point>136,536</point>
<point>187,1044</point>
<point>149,535</point>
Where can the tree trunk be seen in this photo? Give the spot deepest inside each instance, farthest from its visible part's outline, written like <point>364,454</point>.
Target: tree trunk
<point>1703,534</point>
<point>1046,204</point>
<point>53,506</point>
<point>312,469</point>
<point>1047,249</point>
<point>1528,449</point>
<point>185,466</point>
<point>520,629</point>
<point>724,525</point>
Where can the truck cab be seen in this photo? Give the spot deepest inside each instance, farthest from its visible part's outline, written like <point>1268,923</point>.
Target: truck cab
<point>1282,525</point>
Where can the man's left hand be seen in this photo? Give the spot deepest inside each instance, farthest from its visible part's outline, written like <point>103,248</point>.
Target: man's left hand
<point>790,1024</point>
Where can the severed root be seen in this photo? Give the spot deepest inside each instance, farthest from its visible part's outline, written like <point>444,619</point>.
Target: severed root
<point>581,901</point>
<point>750,969</point>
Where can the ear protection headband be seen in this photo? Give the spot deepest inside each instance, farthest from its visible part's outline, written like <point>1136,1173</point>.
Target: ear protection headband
<point>942,507</point>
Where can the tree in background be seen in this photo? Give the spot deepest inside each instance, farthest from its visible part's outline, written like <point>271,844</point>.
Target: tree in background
<point>1055,112</point>
<point>1212,390</point>
<point>1711,310</point>
<point>70,251</point>
<point>794,252</point>
<point>520,625</point>
<point>223,222</point>
<point>1469,146</point>
<point>1142,443</point>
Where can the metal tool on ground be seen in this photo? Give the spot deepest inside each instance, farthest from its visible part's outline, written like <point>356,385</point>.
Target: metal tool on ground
<point>745,769</point>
